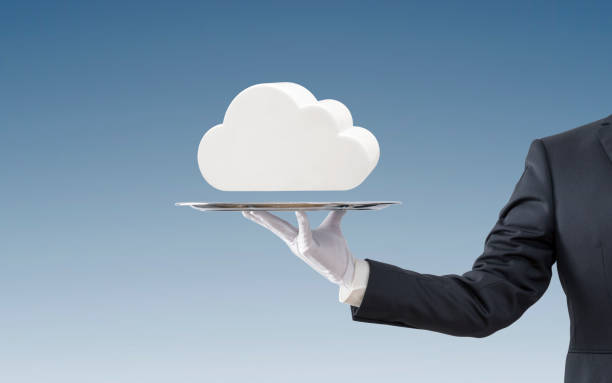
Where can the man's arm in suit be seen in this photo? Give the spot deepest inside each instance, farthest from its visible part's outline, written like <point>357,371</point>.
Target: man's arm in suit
<point>511,274</point>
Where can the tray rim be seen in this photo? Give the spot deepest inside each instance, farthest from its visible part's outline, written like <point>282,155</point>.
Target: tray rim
<point>289,205</point>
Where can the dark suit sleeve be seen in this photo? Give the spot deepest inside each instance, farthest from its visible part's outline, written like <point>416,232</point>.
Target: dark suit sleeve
<point>512,273</point>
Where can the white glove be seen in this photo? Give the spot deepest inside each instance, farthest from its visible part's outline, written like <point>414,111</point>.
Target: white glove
<point>324,248</point>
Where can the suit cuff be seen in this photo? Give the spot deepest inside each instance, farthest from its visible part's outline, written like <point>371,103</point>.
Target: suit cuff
<point>353,293</point>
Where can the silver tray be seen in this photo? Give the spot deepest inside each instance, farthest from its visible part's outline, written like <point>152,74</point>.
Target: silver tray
<point>284,206</point>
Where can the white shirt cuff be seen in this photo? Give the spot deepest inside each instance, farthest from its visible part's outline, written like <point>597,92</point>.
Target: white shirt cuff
<point>353,293</point>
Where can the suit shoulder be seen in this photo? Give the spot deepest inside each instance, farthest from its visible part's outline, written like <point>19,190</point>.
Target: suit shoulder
<point>576,138</point>
<point>568,152</point>
<point>574,134</point>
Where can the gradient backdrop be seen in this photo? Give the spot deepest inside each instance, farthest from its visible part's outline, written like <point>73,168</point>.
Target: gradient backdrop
<point>102,106</point>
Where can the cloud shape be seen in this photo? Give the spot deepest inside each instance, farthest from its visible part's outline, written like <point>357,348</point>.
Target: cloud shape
<point>278,137</point>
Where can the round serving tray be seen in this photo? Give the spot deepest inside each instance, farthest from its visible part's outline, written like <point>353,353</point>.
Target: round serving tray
<point>284,206</point>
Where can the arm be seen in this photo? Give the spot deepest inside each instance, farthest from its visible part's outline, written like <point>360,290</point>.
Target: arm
<point>511,274</point>
<point>352,293</point>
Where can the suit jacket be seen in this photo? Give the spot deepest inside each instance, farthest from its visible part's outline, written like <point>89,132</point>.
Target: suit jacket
<point>560,211</point>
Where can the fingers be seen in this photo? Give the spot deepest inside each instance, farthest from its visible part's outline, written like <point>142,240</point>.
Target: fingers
<point>333,219</point>
<point>283,229</point>
<point>303,224</point>
<point>304,233</point>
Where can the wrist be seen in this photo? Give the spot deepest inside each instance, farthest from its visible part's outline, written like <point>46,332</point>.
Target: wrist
<point>349,273</point>
<point>353,292</point>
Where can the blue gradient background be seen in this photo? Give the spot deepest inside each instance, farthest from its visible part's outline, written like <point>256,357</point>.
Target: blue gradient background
<point>102,106</point>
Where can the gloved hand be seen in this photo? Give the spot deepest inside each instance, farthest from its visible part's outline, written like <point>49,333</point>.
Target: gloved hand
<point>324,248</point>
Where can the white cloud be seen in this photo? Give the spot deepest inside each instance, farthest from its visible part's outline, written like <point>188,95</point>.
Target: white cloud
<point>277,137</point>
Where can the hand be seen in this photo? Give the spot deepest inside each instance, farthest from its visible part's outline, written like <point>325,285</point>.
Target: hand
<point>324,248</point>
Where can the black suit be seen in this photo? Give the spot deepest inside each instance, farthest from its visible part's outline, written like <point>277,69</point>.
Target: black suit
<point>560,210</point>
